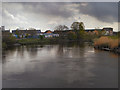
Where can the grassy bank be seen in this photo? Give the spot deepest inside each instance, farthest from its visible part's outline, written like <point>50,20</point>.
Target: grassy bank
<point>39,41</point>
<point>28,41</point>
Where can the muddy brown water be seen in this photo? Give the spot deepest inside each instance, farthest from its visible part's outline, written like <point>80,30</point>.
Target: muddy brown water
<point>59,66</point>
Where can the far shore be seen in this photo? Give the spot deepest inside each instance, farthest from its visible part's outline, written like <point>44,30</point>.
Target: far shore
<point>49,41</point>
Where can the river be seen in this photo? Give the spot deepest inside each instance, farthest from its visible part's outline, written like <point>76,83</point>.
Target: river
<point>59,66</point>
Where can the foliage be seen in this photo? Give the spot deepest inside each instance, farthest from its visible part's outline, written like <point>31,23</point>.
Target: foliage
<point>79,29</point>
<point>26,35</point>
<point>9,39</point>
<point>113,37</point>
<point>41,37</point>
<point>89,37</point>
<point>31,28</point>
<point>61,28</point>
<point>28,41</point>
<point>71,36</point>
<point>17,33</point>
<point>78,26</point>
<point>34,41</point>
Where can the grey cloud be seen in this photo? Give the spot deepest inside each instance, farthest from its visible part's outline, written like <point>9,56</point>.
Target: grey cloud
<point>106,12</point>
<point>34,11</point>
<point>50,9</point>
<point>103,11</point>
<point>52,12</point>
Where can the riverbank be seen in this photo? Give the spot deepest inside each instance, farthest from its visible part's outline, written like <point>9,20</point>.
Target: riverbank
<point>43,41</point>
<point>108,43</point>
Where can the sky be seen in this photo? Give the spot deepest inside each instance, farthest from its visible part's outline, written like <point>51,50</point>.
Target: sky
<point>48,15</point>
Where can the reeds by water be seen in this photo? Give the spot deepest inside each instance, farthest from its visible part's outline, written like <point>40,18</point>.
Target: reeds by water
<point>108,42</point>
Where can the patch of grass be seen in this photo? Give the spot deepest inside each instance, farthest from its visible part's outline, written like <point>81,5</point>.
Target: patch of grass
<point>28,41</point>
<point>113,37</point>
<point>34,41</point>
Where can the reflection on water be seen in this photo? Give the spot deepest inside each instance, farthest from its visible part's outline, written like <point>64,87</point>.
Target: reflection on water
<point>65,65</point>
<point>114,55</point>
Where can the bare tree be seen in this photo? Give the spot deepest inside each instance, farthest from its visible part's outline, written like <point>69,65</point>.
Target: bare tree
<point>31,29</point>
<point>61,28</point>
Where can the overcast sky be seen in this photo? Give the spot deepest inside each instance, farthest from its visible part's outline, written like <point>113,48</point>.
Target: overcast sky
<point>47,15</point>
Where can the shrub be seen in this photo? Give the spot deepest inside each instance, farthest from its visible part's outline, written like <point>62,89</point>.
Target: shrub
<point>9,40</point>
<point>71,36</point>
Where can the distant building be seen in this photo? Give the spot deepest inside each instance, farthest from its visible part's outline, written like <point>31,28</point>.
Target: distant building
<point>48,31</point>
<point>108,31</point>
<point>49,34</point>
<point>26,33</point>
<point>105,31</point>
<point>93,31</point>
<point>55,35</point>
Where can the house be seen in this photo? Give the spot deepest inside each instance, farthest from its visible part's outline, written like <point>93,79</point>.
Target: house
<point>48,31</point>
<point>55,35</point>
<point>108,31</point>
<point>93,31</point>
<point>26,33</point>
<point>49,34</point>
<point>105,31</point>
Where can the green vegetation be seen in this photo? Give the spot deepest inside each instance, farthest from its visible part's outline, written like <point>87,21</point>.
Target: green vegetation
<point>71,36</point>
<point>41,37</point>
<point>17,33</point>
<point>90,37</point>
<point>8,40</point>
<point>113,37</point>
<point>33,41</point>
<point>79,29</point>
<point>28,41</point>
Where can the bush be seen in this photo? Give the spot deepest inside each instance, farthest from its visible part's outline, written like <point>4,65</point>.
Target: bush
<point>9,40</point>
<point>71,36</point>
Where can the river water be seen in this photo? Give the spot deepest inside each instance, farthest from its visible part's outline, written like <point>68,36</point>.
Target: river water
<point>59,66</point>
